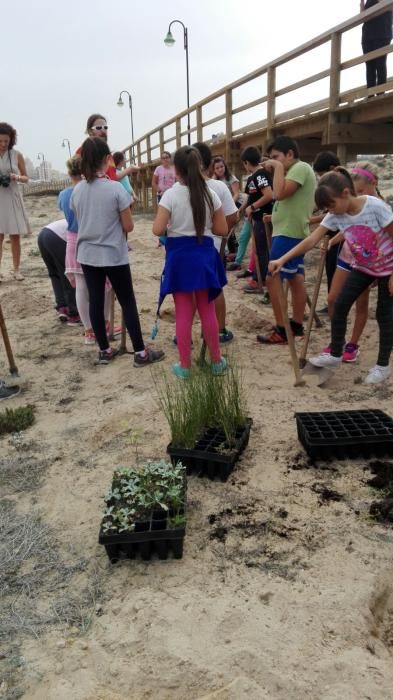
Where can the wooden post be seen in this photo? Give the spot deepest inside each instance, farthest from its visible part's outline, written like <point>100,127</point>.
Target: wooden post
<point>199,123</point>
<point>271,101</point>
<point>148,148</point>
<point>138,151</point>
<point>228,126</point>
<point>335,71</point>
<point>342,153</point>
<point>178,133</point>
<point>162,144</point>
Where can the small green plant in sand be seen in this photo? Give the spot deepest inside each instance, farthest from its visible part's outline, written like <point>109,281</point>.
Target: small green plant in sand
<point>203,401</point>
<point>136,493</point>
<point>15,420</point>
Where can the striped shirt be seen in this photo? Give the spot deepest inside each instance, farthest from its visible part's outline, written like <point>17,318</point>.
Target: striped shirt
<point>370,245</point>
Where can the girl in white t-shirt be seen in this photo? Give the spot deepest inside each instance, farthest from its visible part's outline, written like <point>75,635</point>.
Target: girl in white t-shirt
<point>366,224</point>
<point>191,212</point>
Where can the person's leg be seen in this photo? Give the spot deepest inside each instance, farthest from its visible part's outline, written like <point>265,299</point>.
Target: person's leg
<point>381,70</point>
<point>220,305</point>
<point>356,283</point>
<point>361,317</point>
<point>299,298</point>
<point>244,238</point>
<point>185,308</point>
<point>15,250</point>
<point>95,283</point>
<point>57,248</point>
<point>339,278</point>
<point>120,279</point>
<point>46,246</point>
<point>385,322</point>
<point>262,249</point>
<point>207,314</point>
<point>371,73</point>
<point>83,301</point>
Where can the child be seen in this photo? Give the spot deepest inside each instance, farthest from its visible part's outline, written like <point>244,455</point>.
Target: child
<point>102,208</point>
<point>120,163</point>
<point>164,175</point>
<point>73,269</point>
<point>366,224</point>
<point>52,243</point>
<point>293,188</point>
<point>259,201</point>
<point>192,212</point>
<point>365,182</point>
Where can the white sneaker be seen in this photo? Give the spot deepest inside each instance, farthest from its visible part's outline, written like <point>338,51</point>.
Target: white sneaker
<point>377,374</point>
<point>325,360</point>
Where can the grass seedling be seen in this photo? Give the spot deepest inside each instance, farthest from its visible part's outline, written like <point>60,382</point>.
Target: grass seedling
<point>15,420</point>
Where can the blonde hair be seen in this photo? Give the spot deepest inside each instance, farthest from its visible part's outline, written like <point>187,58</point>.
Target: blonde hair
<point>367,168</point>
<point>74,166</point>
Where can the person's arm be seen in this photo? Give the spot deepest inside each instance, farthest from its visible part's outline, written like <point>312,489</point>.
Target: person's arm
<point>126,220</point>
<point>161,221</point>
<point>154,184</point>
<point>300,249</point>
<point>231,220</point>
<point>282,188</point>
<point>22,177</point>
<point>244,206</point>
<point>335,240</point>
<point>265,199</point>
<point>235,189</point>
<point>127,171</point>
<point>219,223</point>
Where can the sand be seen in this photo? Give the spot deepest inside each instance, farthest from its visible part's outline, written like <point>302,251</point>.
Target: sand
<point>282,594</point>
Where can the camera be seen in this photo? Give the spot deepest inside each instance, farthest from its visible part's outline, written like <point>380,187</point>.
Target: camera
<point>5,180</point>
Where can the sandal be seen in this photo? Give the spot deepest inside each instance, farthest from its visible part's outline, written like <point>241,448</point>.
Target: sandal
<point>18,276</point>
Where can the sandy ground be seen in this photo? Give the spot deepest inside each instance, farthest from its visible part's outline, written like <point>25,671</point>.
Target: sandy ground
<point>282,593</point>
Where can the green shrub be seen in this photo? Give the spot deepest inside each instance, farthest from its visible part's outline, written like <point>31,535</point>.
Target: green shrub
<point>14,420</point>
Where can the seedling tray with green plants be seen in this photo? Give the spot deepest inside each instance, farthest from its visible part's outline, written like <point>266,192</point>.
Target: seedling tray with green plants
<point>343,434</point>
<point>207,416</point>
<point>213,456</point>
<point>145,512</point>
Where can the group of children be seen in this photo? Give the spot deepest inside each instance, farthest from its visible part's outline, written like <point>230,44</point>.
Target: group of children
<point>199,202</point>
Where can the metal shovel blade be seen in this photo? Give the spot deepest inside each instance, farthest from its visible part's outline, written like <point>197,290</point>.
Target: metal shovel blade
<point>323,373</point>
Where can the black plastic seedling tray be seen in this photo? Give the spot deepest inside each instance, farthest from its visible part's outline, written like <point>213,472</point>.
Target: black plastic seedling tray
<point>151,535</point>
<point>210,457</point>
<point>343,434</point>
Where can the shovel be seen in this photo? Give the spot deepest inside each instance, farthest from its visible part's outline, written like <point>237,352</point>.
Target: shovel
<point>7,345</point>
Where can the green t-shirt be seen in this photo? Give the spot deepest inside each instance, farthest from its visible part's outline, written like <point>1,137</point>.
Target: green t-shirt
<point>291,216</point>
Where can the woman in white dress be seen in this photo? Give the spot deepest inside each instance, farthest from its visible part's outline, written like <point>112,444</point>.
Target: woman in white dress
<point>13,219</point>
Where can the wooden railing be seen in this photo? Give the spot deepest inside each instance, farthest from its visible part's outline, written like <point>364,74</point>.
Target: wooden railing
<point>172,134</point>
<point>45,187</point>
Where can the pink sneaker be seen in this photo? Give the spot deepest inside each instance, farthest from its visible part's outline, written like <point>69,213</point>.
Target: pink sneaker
<point>90,338</point>
<point>327,350</point>
<point>351,352</point>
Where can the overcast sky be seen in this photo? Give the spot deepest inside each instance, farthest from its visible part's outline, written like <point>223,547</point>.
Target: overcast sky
<point>66,60</point>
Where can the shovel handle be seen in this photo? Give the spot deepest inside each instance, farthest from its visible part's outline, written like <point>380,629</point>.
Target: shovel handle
<point>302,359</point>
<point>7,344</point>
<point>299,381</point>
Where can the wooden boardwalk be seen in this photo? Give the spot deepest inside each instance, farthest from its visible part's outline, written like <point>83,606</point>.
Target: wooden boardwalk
<point>349,121</point>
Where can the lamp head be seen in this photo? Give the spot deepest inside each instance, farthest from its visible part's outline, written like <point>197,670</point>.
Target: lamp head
<point>169,40</point>
<point>120,102</point>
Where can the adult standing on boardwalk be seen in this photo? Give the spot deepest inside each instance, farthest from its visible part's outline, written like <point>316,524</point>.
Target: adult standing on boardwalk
<point>376,33</point>
<point>13,218</point>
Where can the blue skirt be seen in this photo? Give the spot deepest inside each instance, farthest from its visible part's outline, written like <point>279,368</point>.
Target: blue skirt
<point>192,264</point>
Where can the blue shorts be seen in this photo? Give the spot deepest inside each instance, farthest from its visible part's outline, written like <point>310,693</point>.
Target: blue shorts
<point>280,246</point>
<point>343,265</point>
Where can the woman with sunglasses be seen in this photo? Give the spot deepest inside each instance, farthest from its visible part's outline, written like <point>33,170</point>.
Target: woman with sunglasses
<point>97,128</point>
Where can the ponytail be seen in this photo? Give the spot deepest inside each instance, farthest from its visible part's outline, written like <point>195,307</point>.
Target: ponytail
<point>93,153</point>
<point>188,165</point>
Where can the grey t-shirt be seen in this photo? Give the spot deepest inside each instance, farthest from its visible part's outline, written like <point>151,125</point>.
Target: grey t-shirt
<point>97,206</point>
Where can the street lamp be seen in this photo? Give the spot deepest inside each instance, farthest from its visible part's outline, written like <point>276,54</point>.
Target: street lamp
<point>120,103</point>
<point>41,156</point>
<point>169,42</point>
<point>68,144</point>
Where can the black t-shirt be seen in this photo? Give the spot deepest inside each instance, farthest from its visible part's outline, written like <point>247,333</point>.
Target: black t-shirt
<point>256,184</point>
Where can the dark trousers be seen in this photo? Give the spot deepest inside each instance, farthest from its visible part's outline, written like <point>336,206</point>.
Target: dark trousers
<point>262,248</point>
<point>120,279</point>
<point>331,262</point>
<point>376,71</point>
<point>357,283</point>
<point>53,250</point>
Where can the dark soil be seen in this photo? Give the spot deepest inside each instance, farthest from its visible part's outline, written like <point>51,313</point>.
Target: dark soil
<point>382,510</point>
<point>325,494</point>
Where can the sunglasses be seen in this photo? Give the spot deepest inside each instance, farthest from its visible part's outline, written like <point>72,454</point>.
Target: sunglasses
<point>98,128</point>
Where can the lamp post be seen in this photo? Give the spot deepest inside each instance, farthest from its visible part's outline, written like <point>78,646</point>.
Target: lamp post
<point>41,156</point>
<point>68,144</point>
<point>120,103</point>
<point>169,42</point>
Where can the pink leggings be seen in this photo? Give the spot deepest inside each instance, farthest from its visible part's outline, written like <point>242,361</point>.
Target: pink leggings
<point>185,303</point>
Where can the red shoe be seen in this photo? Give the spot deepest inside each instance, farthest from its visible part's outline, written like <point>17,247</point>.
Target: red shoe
<point>252,287</point>
<point>274,338</point>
